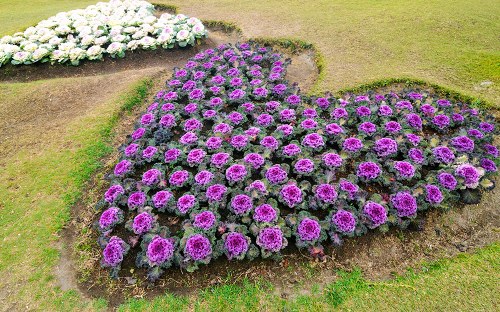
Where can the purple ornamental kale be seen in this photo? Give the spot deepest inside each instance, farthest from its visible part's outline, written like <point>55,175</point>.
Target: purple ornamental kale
<point>149,152</point>
<point>287,115</point>
<point>309,113</point>
<point>198,247</point>
<point>265,120</point>
<point>313,140</point>
<point>276,174</point>
<point>136,199</point>
<point>433,194</point>
<point>122,168</point>
<point>404,203</point>
<point>188,138</point>
<point>326,193</point>
<point>367,127</point>
<point>204,220</point>
<point>113,193</point>
<point>350,188</point>
<point>441,121</point>
<point>404,169</point>
<point>142,223</point>
<point>414,121</point>
<point>470,175</point>
<point>443,154</point>
<point>363,111</point>
<point>291,195</point>
<point>222,128</point>
<point>254,159</point>
<point>160,250</point>
<point>447,181</point>
<point>332,160</point>
<point>291,150</point>
<point>216,192</point>
<point>269,142</point>
<point>138,133</point>
<point>392,127</point>
<point>486,127</point>
<point>309,230</point>
<point>285,130</point>
<point>352,145</point>
<point>196,156</point>
<point>239,142</point>
<point>368,170</point>
<point>309,124</point>
<point>385,147</point>
<point>236,173</point>
<point>192,124</point>
<point>385,110</point>
<point>218,160</point>
<point>110,217</point>
<point>488,165</point>
<point>344,221</point>
<point>241,204</point>
<point>265,213</point>
<point>270,239</point>
<point>376,213</point>
<point>113,252</point>
<point>213,143</point>
<point>185,203</point>
<point>172,155</point>
<point>178,178</point>
<point>333,129</point>
<point>161,198</point>
<point>463,144</point>
<point>152,176</point>
<point>131,150</point>
<point>304,165</point>
<point>413,139</point>
<point>203,177</point>
<point>491,150</point>
<point>235,244</point>
<point>416,155</point>
<point>339,113</point>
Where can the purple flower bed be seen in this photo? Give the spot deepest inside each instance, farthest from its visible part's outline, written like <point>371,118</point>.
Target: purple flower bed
<point>250,165</point>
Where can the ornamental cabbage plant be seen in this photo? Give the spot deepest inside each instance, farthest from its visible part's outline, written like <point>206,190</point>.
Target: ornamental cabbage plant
<point>104,29</point>
<point>249,165</point>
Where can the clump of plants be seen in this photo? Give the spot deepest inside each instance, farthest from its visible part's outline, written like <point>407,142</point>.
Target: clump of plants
<point>104,29</point>
<point>232,161</point>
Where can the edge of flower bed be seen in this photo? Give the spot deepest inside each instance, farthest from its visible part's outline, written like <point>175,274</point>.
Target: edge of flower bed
<point>408,82</point>
<point>75,239</point>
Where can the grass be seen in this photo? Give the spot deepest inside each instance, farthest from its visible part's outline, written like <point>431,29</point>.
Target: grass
<point>38,194</point>
<point>465,283</point>
<point>450,44</point>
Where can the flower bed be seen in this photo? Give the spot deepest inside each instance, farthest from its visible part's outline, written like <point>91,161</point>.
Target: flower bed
<point>250,165</point>
<point>107,28</point>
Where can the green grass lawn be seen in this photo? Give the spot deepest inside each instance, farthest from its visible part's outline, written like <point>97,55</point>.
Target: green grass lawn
<point>451,43</point>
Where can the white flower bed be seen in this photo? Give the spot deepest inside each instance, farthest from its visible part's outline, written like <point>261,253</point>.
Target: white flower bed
<point>107,28</point>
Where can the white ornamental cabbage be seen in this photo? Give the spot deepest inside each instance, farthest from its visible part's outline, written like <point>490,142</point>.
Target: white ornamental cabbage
<point>106,28</point>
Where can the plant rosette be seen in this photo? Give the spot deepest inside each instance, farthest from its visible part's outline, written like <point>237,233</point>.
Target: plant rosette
<point>343,223</point>
<point>196,249</point>
<point>236,244</point>
<point>307,229</point>
<point>113,254</point>
<point>158,252</point>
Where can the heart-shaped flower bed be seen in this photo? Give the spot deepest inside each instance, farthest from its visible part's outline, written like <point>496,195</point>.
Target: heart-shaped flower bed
<point>250,165</point>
